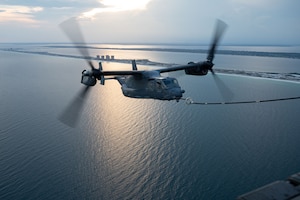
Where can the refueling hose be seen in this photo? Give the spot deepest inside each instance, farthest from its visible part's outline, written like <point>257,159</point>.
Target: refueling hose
<point>190,101</point>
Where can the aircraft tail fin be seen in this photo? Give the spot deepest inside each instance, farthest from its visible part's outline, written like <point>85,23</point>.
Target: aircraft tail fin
<point>134,67</point>
<point>102,79</point>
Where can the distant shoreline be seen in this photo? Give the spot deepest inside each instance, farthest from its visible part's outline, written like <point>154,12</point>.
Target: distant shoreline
<point>295,77</point>
<point>292,55</point>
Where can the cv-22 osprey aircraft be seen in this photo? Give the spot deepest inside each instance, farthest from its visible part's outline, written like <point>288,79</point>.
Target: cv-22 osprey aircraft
<point>140,83</point>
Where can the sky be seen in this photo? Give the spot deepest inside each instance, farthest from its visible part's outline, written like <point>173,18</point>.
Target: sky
<point>250,22</point>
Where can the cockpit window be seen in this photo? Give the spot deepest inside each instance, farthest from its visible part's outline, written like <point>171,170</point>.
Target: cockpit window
<point>170,82</point>
<point>167,82</point>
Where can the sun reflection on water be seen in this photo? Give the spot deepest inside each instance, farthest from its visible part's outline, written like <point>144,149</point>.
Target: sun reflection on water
<point>126,133</point>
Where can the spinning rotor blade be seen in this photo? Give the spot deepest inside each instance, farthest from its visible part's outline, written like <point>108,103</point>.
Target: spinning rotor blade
<point>72,30</point>
<point>219,30</point>
<point>226,93</point>
<point>72,112</point>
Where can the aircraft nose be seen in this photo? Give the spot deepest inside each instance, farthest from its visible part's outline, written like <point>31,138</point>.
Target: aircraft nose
<point>178,92</point>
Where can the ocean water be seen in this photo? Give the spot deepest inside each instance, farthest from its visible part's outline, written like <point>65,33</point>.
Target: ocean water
<point>127,148</point>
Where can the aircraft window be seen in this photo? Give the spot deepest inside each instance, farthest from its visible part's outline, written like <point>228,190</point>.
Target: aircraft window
<point>167,82</point>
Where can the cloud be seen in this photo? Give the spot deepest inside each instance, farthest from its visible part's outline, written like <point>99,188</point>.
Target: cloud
<point>61,8</point>
<point>146,21</point>
<point>14,13</point>
<point>115,6</point>
<point>255,3</point>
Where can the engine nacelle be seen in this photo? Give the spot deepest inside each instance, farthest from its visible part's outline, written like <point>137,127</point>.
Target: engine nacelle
<point>88,80</point>
<point>197,70</point>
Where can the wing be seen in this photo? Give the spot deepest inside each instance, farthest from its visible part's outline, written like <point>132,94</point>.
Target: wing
<point>121,73</point>
<point>133,72</point>
<point>191,66</point>
<point>199,65</point>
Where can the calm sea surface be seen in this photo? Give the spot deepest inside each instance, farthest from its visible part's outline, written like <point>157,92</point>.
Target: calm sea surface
<point>127,148</point>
